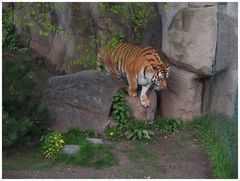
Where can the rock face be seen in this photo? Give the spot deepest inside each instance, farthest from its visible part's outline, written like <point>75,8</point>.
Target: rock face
<point>200,41</point>
<point>192,38</point>
<point>85,27</point>
<point>82,100</point>
<point>182,97</point>
<point>141,113</point>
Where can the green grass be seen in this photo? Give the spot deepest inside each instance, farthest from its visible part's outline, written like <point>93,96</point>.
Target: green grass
<point>90,155</point>
<point>219,137</point>
<point>29,160</point>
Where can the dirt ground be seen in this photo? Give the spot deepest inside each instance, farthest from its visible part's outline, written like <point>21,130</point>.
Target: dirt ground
<point>176,156</point>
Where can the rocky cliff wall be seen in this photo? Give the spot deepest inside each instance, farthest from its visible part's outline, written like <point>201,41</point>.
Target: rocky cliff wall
<point>198,39</point>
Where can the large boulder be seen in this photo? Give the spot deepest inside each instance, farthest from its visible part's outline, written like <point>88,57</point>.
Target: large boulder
<point>82,100</point>
<point>190,38</point>
<point>141,113</point>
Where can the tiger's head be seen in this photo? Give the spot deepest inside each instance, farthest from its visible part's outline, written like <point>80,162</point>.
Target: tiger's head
<point>160,76</point>
<point>158,73</point>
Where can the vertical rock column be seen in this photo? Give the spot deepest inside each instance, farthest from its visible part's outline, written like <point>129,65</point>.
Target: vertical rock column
<point>200,40</point>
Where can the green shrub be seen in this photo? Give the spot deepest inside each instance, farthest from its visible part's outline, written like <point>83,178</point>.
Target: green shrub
<point>52,144</point>
<point>120,110</point>
<point>134,130</point>
<point>9,36</point>
<point>22,113</point>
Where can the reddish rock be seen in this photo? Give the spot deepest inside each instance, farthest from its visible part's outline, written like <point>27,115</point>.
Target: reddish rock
<point>141,113</point>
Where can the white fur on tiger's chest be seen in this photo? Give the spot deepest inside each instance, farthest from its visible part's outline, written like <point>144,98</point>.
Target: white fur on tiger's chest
<point>141,80</point>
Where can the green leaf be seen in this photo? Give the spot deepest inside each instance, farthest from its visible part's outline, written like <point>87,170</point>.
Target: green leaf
<point>139,134</point>
<point>130,136</point>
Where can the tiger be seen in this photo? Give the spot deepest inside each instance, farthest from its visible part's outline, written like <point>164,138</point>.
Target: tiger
<point>141,66</point>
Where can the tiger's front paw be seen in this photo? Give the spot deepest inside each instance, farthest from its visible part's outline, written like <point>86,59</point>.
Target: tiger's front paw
<point>145,101</point>
<point>132,93</point>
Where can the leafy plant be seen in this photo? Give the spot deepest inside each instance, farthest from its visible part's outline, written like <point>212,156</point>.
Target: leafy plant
<point>9,36</point>
<point>162,125</point>
<point>126,125</point>
<point>52,144</point>
<point>134,15</point>
<point>113,132</point>
<point>114,40</point>
<point>137,15</point>
<point>139,130</point>
<point>120,110</point>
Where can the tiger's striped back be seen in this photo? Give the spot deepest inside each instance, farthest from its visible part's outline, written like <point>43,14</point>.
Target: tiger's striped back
<point>124,54</point>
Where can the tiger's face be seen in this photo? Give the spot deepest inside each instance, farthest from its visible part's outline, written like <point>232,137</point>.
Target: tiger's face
<point>160,76</point>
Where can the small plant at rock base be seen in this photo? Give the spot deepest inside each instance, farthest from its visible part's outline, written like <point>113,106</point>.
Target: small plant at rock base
<point>121,109</point>
<point>139,131</point>
<point>113,132</point>
<point>52,144</point>
<point>163,125</point>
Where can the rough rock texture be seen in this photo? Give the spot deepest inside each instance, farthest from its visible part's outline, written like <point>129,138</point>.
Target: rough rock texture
<point>200,38</point>
<point>223,84</point>
<point>85,27</point>
<point>191,39</point>
<point>82,100</point>
<point>182,97</point>
<point>71,149</point>
<point>141,113</point>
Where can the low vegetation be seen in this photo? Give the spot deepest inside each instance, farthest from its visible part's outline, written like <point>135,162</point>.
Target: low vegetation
<point>89,154</point>
<point>23,115</point>
<point>133,129</point>
<point>218,134</point>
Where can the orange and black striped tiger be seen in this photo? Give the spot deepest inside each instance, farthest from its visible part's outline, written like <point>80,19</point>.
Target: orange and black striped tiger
<point>141,66</point>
